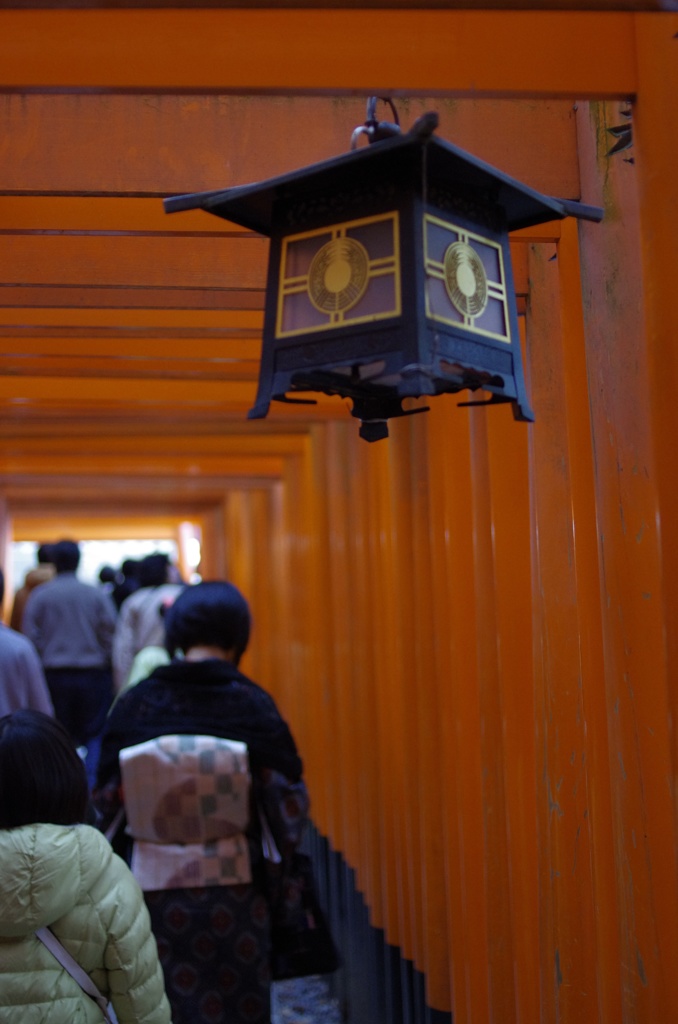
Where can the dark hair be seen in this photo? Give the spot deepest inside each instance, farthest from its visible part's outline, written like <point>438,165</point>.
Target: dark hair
<point>153,570</point>
<point>44,554</point>
<point>42,778</point>
<point>107,574</point>
<point>66,556</point>
<point>214,614</point>
<point>2,586</point>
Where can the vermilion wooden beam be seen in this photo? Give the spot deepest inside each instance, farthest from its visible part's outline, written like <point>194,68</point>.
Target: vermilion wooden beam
<point>64,390</point>
<point>279,443</point>
<point>170,348</point>
<point>97,397</point>
<point>88,365</point>
<point>149,466</point>
<point>237,322</point>
<point>103,214</point>
<point>28,493</point>
<point>84,296</point>
<point>129,152</point>
<point>388,5</point>
<point>135,422</point>
<point>119,260</point>
<point>93,526</point>
<point>505,53</point>
<point>115,414</point>
<point>656,131</point>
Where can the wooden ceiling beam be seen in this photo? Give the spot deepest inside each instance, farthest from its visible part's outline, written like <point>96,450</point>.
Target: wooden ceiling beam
<point>133,260</point>
<point>167,494</point>
<point>380,5</point>
<point>125,153</point>
<point>141,465</point>
<point>144,347</point>
<point>91,366</point>
<point>338,52</point>
<point>238,323</point>
<point>86,296</point>
<point>64,390</point>
<point>149,469</point>
<point>278,444</point>
<point>83,496</point>
<point>87,523</point>
<point>99,214</point>
<point>118,414</point>
<point>134,422</point>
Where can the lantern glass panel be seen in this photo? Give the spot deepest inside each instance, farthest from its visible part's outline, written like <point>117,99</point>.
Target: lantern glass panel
<point>380,295</point>
<point>377,236</point>
<point>465,279</point>
<point>493,320</point>
<point>298,314</point>
<point>300,253</point>
<point>491,260</point>
<point>335,276</point>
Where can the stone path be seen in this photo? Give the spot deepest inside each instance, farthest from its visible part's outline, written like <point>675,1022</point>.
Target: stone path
<point>304,1001</point>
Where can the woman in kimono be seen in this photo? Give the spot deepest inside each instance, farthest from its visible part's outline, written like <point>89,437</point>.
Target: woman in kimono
<point>197,858</point>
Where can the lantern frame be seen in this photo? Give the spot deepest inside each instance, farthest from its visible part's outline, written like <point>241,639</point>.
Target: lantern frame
<point>350,313</point>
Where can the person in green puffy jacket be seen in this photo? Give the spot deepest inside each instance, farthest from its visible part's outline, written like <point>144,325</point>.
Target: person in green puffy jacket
<point>56,871</point>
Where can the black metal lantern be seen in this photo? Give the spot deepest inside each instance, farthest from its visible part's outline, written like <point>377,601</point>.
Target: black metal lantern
<point>389,273</point>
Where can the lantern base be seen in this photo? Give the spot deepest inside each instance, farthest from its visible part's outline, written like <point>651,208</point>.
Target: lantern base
<point>376,400</point>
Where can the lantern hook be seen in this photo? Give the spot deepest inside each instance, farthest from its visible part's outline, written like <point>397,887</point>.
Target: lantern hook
<point>374,129</point>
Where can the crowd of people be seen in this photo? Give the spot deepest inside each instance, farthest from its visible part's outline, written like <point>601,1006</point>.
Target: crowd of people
<point>87,636</point>
<point>140,774</point>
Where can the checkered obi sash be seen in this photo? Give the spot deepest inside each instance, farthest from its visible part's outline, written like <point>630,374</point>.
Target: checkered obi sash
<point>187,800</point>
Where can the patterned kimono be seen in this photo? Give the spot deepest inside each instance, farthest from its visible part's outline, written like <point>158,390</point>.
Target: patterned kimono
<point>208,908</point>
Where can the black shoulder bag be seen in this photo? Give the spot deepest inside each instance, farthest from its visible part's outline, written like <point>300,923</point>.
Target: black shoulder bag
<point>301,941</point>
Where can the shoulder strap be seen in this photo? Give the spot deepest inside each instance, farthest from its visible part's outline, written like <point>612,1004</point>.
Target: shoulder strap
<point>49,939</point>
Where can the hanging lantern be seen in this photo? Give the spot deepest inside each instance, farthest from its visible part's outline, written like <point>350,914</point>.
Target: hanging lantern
<point>389,273</point>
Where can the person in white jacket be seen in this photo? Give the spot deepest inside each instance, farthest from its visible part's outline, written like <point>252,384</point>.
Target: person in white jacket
<point>141,619</point>
<point>59,873</point>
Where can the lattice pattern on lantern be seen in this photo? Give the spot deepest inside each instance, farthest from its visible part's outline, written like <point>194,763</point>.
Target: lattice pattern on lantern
<point>343,274</point>
<point>465,279</point>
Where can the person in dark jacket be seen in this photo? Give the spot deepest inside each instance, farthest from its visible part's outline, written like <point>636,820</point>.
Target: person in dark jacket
<point>72,624</point>
<point>213,939</point>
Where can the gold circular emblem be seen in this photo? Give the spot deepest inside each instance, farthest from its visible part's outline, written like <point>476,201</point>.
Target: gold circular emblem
<point>465,279</point>
<point>337,277</point>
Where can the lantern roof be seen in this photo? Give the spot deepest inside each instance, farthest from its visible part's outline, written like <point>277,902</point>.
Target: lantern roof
<point>252,206</point>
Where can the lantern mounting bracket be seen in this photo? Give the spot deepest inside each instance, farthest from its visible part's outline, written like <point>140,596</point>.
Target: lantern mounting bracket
<point>295,401</point>
<point>374,129</point>
<point>494,400</point>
